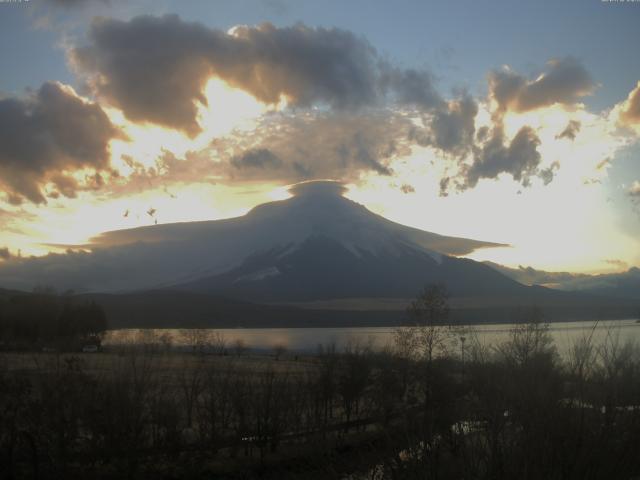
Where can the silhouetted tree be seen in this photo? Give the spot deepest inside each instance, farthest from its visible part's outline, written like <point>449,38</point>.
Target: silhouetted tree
<point>429,313</point>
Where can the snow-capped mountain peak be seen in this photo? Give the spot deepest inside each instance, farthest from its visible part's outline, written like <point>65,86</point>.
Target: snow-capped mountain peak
<point>172,254</point>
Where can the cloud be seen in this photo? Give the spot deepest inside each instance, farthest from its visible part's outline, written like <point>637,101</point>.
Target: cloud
<point>520,158</point>
<point>564,82</point>
<point>630,113</point>
<point>155,68</point>
<point>448,126</point>
<point>604,163</point>
<point>284,148</point>
<point>634,193</point>
<point>617,263</point>
<point>547,174</point>
<point>411,87</point>
<point>256,158</point>
<point>570,131</point>
<point>292,148</point>
<point>532,276</point>
<point>46,136</point>
<point>453,128</point>
<point>318,187</point>
<point>444,186</point>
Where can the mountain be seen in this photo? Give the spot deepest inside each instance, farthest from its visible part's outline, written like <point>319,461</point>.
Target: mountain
<point>619,284</point>
<point>319,245</point>
<point>166,255</point>
<point>323,267</point>
<point>316,258</point>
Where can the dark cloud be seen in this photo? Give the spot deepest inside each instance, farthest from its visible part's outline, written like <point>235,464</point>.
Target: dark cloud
<point>519,158</point>
<point>565,81</point>
<point>46,136</point>
<point>65,185</point>
<point>505,86</point>
<point>631,109</point>
<point>257,158</point>
<point>483,133</point>
<point>448,127</point>
<point>154,68</point>
<point>570,131</point>
<point>411,87</point>
<point>453,127</point>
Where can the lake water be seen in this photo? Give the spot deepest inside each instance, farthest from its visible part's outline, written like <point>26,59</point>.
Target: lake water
<point>307,340</point>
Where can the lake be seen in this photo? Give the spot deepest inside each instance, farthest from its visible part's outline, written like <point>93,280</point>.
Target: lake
<point>307,340</point>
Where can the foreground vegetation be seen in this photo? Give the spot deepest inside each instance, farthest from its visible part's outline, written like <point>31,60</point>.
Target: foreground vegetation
<point>439,405</point>
<point>513,411</point>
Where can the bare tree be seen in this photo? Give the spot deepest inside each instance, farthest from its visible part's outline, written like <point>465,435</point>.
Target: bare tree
<point>196,339</point>
<point>190,380</point>
<point>353,378</point>
<point>239,347</point>
<point>428,333</point>
<point>218,343</point>
<point>279,350</point>
<point>528,340</point>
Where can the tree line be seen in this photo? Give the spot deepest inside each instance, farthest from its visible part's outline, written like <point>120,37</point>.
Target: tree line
<point>44,318</point>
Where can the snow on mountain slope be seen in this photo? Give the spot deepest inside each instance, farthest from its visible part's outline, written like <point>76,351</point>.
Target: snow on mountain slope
<point>171,254</point>
<point>322,268</point>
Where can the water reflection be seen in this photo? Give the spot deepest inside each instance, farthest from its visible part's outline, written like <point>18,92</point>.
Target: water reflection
<point>307,340</point>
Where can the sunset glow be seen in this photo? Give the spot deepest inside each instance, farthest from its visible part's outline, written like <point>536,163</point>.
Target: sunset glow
<point>253,132</point>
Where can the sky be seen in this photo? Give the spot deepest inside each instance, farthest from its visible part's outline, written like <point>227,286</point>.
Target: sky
<point>510,122</point>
